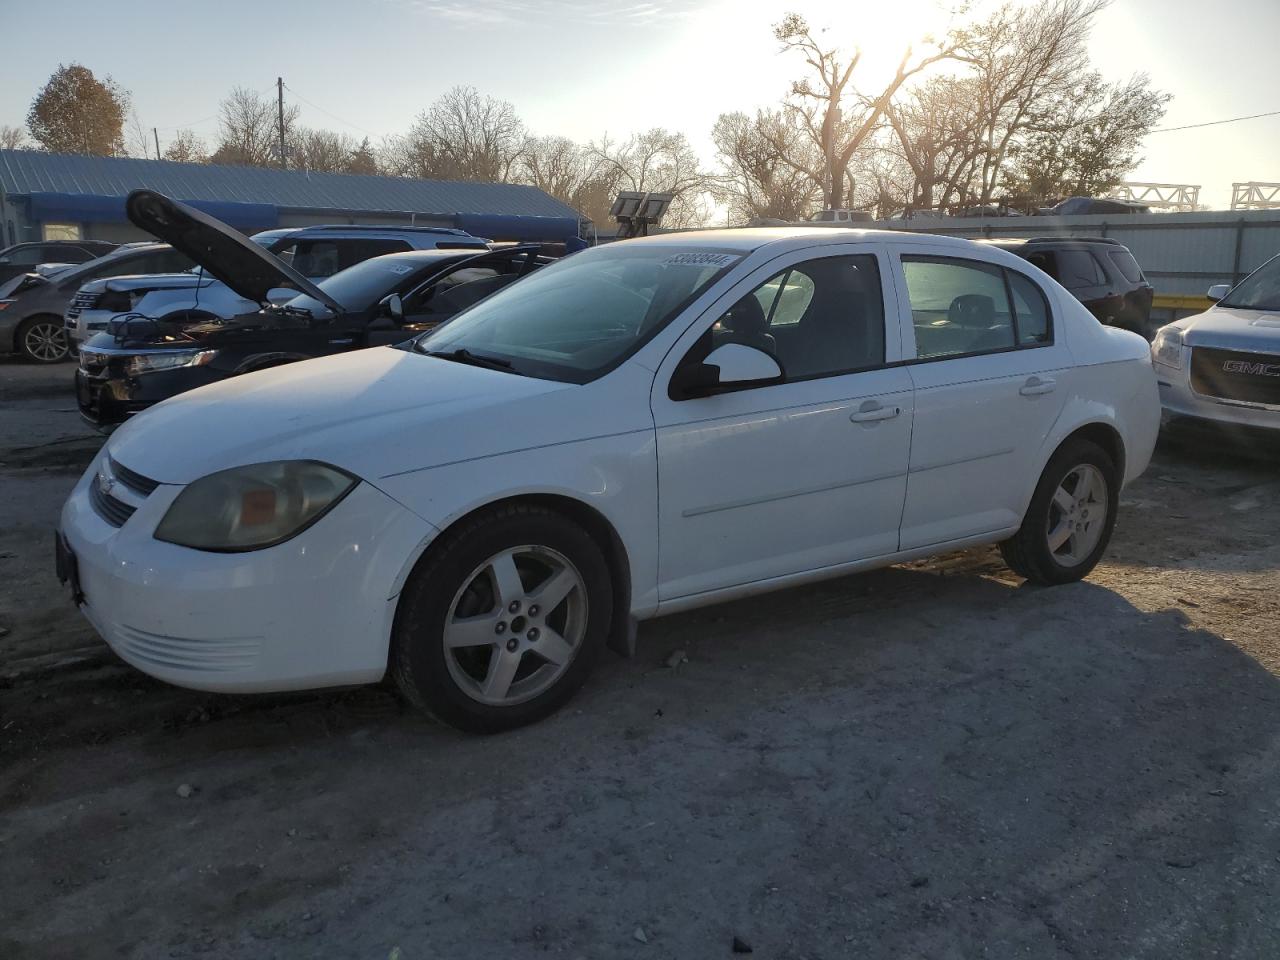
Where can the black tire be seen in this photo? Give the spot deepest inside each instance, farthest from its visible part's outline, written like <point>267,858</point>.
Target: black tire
<point>1027,552</point>
<point>418,656</point>
<point>32,345</point>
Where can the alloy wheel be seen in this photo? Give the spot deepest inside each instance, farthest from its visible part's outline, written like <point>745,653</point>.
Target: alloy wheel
<point>46,341</point>
<point>1077,515</point>
<point>516,625</point>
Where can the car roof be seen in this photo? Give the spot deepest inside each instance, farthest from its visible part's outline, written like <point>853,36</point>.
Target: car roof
<point>747,239</point>
<point>1011,243</point>
<point>362,228</point>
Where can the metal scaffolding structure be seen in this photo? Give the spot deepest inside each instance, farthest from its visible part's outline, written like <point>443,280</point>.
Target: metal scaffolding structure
<point>1255,196</point>
<point>1182,197</point>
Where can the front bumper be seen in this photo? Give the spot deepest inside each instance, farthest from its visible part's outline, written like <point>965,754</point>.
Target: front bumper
<point>107,395</point>
<point>313,611</point>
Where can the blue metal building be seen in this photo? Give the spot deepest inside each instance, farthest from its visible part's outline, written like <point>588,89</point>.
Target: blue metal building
<point>46,196</point>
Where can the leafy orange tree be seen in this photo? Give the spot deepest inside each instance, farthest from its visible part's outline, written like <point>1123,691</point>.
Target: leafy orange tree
<point>78,113</point>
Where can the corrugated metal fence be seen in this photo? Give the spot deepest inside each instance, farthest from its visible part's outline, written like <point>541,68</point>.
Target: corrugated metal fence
<point>1182,254</point>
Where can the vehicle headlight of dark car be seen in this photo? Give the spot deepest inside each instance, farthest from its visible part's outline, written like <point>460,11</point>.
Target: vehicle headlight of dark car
<point>254,506</point>
<point>167,360</point>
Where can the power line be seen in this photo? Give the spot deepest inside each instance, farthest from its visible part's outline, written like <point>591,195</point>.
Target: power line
<point>331,116</point>
<point>1214,123</point>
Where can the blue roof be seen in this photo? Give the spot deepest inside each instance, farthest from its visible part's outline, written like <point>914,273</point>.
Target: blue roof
<point>24,173</point>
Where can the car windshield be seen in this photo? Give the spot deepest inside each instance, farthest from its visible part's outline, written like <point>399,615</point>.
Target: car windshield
<point>360,286</point>
<point>577,319</point>
<point>1258,291</point>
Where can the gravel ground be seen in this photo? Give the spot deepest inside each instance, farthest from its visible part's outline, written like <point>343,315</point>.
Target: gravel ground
<point>933,760</point>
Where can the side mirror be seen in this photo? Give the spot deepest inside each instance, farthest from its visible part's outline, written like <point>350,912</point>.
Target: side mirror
<point>1218,291</point>
<point>730,366</point>
<point>279,296</point>
<point>392,306</point>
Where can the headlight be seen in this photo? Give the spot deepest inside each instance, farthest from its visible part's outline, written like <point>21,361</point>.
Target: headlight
<point>247,508</point>
<point>169,360</point>
<point>1166,348</point>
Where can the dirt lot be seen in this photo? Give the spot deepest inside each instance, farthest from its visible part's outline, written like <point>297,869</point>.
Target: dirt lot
<point>928,761</point>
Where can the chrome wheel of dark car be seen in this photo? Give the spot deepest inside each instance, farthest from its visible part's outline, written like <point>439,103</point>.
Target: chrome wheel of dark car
<point>44,340</point>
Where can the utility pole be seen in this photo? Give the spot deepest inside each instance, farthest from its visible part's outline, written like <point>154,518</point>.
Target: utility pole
<point>280,114</point>
<point>157,136</point>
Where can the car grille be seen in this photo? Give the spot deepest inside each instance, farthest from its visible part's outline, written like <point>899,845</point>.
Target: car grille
<point>136,482</point>
<point>1236,375</point>
<point>110,507</point>
<point>114,511</point>
<point>82,302</point>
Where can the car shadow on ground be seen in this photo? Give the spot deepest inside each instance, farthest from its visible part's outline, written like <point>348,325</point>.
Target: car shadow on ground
<point>929,760</point>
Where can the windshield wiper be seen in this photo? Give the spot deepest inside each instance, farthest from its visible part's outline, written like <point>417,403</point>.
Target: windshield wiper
<point>463,355</point>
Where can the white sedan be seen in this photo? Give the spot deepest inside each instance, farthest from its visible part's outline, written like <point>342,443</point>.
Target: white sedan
<point>641,428</point>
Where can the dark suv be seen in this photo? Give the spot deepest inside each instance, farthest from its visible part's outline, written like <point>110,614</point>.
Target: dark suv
<point>1099,272</point>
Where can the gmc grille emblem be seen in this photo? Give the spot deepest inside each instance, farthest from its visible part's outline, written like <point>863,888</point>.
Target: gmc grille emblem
<point>1253,369</point>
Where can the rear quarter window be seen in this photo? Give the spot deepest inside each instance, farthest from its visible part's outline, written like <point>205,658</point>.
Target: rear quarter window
<point>1127,266</point>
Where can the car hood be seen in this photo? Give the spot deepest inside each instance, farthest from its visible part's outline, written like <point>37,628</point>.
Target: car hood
<point>1233,328</point>
<point>372,412</point>
<point>244,266</point>
<point>151,281</point>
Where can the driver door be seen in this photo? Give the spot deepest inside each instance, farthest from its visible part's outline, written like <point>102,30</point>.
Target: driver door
<point>800,475</point>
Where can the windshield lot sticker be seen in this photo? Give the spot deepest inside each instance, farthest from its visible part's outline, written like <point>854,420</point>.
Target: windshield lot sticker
<point>701,259</point>
<point>400,269</point>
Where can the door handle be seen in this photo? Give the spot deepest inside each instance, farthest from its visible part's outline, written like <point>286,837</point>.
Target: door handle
<point>873,410</point>
<point>1035,387</point>
<point>342,341</point>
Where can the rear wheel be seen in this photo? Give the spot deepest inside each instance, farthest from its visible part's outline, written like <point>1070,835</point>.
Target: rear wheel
<point>43,339</point>
<point>501,622</point>
<point>1069,522</point>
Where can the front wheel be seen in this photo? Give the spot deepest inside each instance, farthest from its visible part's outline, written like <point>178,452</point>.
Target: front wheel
<point>1068,525</point>
<point>500,623</point>
<point>44,340</point>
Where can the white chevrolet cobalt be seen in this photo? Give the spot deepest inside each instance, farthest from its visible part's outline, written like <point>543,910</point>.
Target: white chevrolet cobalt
<point>640,428</point>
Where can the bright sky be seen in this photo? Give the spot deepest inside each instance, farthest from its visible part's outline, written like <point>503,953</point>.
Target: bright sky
<point>583,68</point>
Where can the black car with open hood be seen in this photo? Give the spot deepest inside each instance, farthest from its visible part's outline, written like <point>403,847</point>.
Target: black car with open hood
<point>224,253</point>
<point>381,301</point>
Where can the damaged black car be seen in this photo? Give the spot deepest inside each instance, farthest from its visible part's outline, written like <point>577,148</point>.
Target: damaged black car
<point>382,301</point>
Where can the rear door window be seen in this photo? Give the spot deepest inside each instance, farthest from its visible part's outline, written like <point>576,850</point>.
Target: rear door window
<point>958,307</point>
<point>323,257</point>
<point>1077,268</point>
<point>1127,266</point>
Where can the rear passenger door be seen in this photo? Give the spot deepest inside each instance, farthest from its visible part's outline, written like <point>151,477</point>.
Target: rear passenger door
<point>989,381</point>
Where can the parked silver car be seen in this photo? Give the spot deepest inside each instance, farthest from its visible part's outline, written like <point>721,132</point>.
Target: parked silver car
<point>32,306</point>
<point>1223,365</point>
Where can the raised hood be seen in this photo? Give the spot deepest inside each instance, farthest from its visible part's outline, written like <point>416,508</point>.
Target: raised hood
<point>244,266</point>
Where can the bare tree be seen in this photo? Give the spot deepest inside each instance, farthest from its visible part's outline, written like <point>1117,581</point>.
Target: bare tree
<point>13,138</point>
<point>837,117</point>
<point>321,151</point>
<point>762,178</point>
<point>1022,57</point>
<point>186,147</point>
<point>138,140</point>
<point>78,113</point>
<point>657,160</point>
<point>249,130</point>
<point>569,172</point>
<point>462,136</point>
